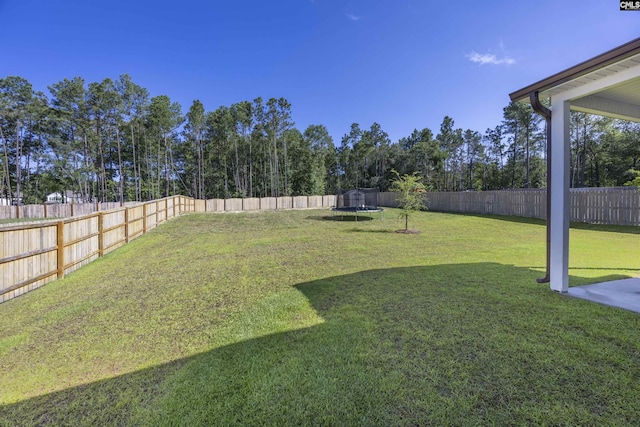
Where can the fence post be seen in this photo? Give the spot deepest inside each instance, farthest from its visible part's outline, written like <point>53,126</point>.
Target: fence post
<point>126,225</point>
<point>100,234</point>
<point>144,218</point>
<point>60,247</point>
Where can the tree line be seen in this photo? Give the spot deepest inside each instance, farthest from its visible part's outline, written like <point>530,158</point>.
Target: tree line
<point>113,141</point>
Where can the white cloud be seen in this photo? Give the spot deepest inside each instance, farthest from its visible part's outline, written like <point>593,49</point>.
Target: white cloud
<point>489,58</point>
<point>353,17</point>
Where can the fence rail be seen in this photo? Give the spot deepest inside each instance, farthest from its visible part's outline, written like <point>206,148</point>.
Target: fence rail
<point>617,205</point>
<point>33,254</point>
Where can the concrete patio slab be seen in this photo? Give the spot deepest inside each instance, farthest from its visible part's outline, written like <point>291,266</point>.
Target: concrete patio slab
<point>618,293</point>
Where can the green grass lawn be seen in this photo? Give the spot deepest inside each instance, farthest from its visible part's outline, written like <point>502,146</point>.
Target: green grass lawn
<point>288,318</point>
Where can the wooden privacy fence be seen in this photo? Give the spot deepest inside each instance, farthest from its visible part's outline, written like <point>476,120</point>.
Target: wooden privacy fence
<point>58,210</point>
<point>617,205</point>
<point>211,205</point>
<point>35,253</point>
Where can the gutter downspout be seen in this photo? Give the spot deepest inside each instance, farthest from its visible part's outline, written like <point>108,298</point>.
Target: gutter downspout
<point>546,113</point>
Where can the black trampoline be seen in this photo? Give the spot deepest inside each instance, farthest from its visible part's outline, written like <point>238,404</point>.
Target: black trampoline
<point>357,201</point>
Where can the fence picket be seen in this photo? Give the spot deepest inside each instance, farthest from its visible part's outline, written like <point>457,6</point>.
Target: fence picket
<point>618,205</point>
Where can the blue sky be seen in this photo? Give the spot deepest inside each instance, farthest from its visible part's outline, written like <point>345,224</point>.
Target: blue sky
<point>403,63</point>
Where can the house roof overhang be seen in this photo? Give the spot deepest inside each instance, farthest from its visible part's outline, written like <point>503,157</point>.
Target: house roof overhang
<point>608,84</point>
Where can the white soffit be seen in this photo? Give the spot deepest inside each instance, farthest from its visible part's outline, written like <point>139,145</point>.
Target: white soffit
<point>620,100</point>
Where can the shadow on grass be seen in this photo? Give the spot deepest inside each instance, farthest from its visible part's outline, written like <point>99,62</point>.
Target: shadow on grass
<point>448,344</point>
<point>628,229</point>
<point>541,267</point>
<point>349,218</point>
<point>367,230</point>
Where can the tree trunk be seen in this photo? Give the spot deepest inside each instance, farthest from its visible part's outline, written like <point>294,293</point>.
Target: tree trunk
<point>18,158</point>
<point>6,164</point>
<point>276,178</point>
<point>120,174</point>
<point>236,172</point>
<point>135,172</point>
<point>250,170</point>
<point>286,168</point>
<point>166,166</point>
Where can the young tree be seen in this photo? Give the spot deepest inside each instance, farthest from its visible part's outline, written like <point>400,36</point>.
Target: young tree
<point>411,196</point>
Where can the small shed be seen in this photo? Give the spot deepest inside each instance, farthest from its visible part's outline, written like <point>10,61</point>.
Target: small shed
<point>357,199</point>
<point>354,198</point>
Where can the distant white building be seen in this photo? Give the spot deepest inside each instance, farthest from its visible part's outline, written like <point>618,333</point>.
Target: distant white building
<point>68,197</point>
<point>17,200</point>
<point>54,198</point>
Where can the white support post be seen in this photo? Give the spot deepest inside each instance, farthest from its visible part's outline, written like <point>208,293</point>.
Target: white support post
<point>560,196</point>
